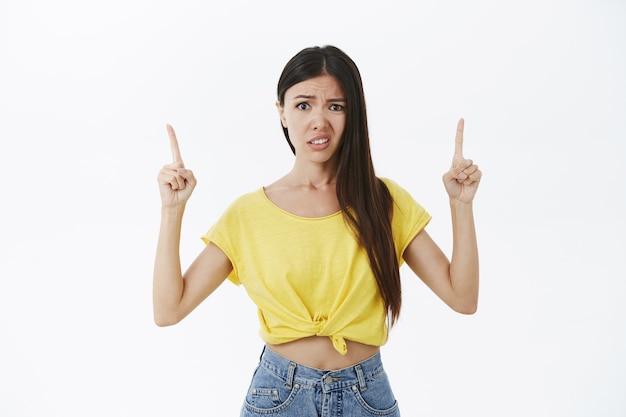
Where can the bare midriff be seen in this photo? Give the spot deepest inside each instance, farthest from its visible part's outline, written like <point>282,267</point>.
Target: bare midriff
<point>318,352</point>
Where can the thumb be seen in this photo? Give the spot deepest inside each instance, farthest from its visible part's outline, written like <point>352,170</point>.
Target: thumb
<point>458,166</point>
<point>187,174</point>
<point>453,175</point>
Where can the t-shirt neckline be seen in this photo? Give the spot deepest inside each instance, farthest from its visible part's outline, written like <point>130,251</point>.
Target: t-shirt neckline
<point>290,214</point>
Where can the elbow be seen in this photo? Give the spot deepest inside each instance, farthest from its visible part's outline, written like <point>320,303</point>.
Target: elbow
<point>464,301</point>
<point>467,307</point>
<point>162,323</point>
<point>165,320</point>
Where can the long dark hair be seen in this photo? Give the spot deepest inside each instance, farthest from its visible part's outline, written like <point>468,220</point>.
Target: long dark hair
<point>366,203</point>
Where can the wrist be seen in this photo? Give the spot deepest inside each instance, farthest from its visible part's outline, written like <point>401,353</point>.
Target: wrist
<point>460,204</point>
<point>174,211</point>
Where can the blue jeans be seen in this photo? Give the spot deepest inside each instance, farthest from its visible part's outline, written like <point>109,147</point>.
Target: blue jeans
<point>283,388</point>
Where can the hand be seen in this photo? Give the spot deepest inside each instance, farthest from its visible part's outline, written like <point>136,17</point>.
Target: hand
<point>175,182</point>
<point>462,180</point>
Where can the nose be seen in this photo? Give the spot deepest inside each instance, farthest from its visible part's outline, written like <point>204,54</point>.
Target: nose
<point>318,119</point>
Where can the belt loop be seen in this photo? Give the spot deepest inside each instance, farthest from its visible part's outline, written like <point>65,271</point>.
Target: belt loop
<point>290,373</point>
<point>360,377</point>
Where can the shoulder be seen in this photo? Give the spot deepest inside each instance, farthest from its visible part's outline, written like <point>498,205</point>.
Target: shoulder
<point>240,208</point>
<point>403,200</point>
<point>389,182</point>
<point>409,217</point>
<point>395,189</point>
<point>237,212</point>
<point>246,200</point>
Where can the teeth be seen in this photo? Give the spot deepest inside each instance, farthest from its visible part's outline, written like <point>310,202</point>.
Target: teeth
<point>319,141</point>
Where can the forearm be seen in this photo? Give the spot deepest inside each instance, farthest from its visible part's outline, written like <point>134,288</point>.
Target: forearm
<point>464,270</point>
<point>167,279</point>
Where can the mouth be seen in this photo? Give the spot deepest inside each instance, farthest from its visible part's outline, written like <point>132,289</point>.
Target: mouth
<point>319,141</point>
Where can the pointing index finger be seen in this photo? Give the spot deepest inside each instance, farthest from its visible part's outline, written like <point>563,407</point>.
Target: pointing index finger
<point>174,145</point>
<point>458,141</point>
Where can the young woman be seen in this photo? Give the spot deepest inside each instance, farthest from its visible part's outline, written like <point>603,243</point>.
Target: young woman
<point>319,250</point>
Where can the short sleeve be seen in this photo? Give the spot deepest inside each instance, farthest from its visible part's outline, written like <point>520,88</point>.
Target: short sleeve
<point>409,217</point>
<point>222,234</point>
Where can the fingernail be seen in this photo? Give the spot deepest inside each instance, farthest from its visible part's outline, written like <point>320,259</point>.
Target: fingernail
<point>181,170</point>
<point>462,175</point>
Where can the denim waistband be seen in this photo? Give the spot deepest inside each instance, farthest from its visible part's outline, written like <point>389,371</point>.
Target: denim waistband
<point>328,380</point>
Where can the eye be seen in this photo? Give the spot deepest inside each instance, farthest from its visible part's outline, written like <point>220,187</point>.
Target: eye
<point>337,107</point>
<point>303,106</point>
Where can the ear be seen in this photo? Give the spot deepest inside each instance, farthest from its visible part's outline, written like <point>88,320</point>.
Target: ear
<point>281,114</point>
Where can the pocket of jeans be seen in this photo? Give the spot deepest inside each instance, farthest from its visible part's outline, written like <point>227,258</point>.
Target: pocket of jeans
<point>268,392</point>
<point>377,399</point>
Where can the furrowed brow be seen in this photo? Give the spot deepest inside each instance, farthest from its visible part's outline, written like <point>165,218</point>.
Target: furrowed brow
<point>303,96</point>
<point>309,97</point>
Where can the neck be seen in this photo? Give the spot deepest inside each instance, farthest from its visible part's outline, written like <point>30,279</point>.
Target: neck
<point>316,176</point>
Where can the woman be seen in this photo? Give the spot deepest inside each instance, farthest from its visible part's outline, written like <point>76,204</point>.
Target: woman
<point>319,250</point>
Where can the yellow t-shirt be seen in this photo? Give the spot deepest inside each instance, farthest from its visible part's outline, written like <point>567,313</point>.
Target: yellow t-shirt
<point>309,276</point>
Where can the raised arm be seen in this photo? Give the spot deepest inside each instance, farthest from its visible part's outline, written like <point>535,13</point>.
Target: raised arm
<point>455,281</point>
<point>175,295</point>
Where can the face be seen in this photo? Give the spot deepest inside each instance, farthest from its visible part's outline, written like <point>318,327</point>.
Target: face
<point>314,113</point>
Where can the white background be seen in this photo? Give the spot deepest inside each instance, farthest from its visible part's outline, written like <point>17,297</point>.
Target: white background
<point>86,89</point>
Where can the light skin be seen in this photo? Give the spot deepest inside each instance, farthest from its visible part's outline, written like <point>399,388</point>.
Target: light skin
<point>314,115</point>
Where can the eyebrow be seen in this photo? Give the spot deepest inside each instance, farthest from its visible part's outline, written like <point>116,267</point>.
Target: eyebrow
<point>308,97</point>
